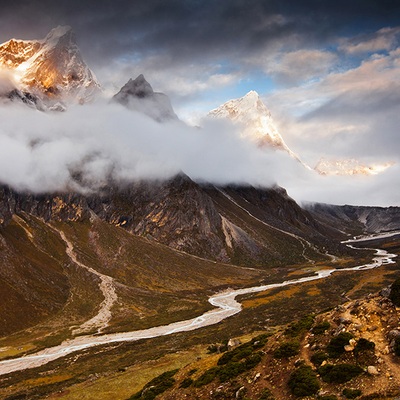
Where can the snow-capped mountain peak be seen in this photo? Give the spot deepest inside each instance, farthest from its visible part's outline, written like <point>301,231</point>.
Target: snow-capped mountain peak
<point>51,69</point>
<point>256,120</point>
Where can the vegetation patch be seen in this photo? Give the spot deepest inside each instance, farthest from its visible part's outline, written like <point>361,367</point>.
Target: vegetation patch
<point>335,347</point>
<point>395,292</point>
<point>397,347</point>
<point>364,345</point>
<point>186,383</point>
<point>339,373</point>
<point>266,395</point>
<point>234,362</point>
<point>321,328</point>
<point>319,357</point>
<point>287,349</point>
<point>156,386</point>
<point>299,327</point>
<point>351,393</point>
<point>304,382</point>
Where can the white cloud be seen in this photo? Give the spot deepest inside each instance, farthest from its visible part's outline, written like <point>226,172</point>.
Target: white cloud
<point>43,152</point>
<point>384,39</point>
<point>299,66</point>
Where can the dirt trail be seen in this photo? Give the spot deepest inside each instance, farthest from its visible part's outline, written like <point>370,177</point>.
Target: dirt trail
<point>106,285</point>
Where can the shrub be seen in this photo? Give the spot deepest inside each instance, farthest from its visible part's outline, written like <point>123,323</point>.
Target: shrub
<point>395,292</point>
<point>235,355</point>
<point>156,386</point>
<point>303,382</point>
<point>364,345</point>
<point>318,358</point>
<point>301,326</point>
<point>207,377</point>
<point>339,373</point>
<point>186,383</point>
<point>266,395</point>
<point>320,328</point>
<point>397,347</point>
<point>243,350</point>
<point>287,349</point>
<point>351,393</point>
<point>335,347</point>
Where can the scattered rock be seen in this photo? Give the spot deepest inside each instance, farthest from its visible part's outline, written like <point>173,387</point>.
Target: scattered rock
<point>233,343</point>
<point>358,327</point>
<point>349,347</point>
<point>240,393</point>
<point>372,370</point>
<point>394,334</point>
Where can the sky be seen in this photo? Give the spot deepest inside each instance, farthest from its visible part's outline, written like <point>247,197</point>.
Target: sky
<point>329,71</point>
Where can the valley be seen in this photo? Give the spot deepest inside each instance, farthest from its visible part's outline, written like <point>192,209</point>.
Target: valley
<point>144,258</point>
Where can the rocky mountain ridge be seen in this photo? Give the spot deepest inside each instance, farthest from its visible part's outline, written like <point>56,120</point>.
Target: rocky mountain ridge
<point>237,224</point>
<point>51,70</point>
<point>138,95</point>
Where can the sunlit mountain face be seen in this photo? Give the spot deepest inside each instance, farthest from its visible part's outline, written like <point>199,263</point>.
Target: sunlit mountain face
<point>51,70</point>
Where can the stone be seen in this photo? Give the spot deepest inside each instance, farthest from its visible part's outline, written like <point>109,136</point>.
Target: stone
<point>394,334</point>
<point>349,347</point>
<point>233,343</point>
<point>371,370</point>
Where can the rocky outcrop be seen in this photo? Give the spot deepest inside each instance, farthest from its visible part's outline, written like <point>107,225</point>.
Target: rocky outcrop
<point>138,95</point>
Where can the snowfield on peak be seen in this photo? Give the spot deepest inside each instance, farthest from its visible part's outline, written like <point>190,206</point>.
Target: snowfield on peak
<point>51,70</point>
<point>258,124</point>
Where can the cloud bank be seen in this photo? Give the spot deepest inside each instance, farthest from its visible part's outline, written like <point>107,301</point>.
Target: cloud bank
<point>47,152</point>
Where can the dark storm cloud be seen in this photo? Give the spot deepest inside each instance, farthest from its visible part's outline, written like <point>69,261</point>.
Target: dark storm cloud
<point>190,30</point>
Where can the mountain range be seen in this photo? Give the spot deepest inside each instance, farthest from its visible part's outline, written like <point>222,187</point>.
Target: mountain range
<point>149,252</point>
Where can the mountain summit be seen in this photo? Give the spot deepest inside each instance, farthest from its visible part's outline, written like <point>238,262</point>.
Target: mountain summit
<point>252,113</point>
<point>256,120</point>
<point>137,94</point>
<point>51,69</point>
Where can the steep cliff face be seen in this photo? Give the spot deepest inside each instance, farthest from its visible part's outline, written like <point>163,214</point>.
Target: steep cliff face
<point>175,212</point>
<point>51,70</point>
<point>49,207</point>
<point>237,224</point>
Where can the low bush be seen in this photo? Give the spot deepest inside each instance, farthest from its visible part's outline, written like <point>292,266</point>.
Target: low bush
<point>351,393</point>
<point>320,328</point>
<point>186,383</point>
<point>304,382</point>
<point>243,350</point>
<point>339,373</point>
<point>156,386</point>
<point>287,349</point>
<point>318,358</point>
<point>395,292</point>
<point>335,347</point>
<point>301,326</point>
<point>229,370</point>
<point>266,395</point>
<point>363,345</point>
<point>397,347</point>
<point>207,377</point>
